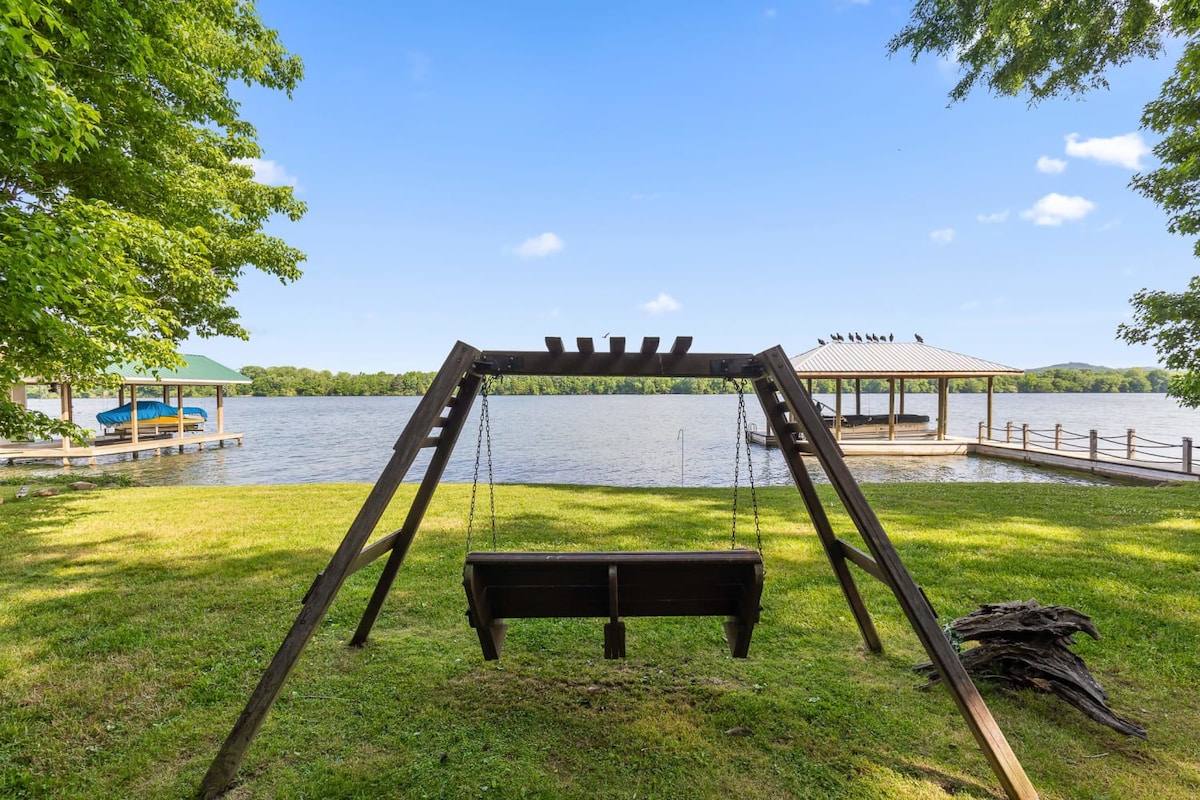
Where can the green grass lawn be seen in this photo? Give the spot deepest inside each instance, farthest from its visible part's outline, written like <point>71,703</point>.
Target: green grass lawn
<point>135,621</point>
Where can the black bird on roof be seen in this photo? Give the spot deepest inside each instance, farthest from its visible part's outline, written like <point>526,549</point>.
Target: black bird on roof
<point>857,338</point>
<point>821,342</point>
<point>890,337</point>
<point>918,338</point>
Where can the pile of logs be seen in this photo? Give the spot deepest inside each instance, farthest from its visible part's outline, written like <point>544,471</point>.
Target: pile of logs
<point>1027,645</point>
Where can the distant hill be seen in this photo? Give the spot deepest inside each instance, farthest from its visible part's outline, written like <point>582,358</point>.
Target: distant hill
<point>1071,365</point>
<point>1079,365</point>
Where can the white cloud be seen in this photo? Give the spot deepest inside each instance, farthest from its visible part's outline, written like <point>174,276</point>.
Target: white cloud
<point>993,218</point>
<point>1055,209</point>
<point>270,173</point>
<point>1125,151</point>
<point>541,246</point>
<point>1051,166</point>
<point>663,303</point>
<point>942,235</point>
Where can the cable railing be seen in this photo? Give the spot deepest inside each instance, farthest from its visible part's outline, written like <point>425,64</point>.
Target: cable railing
<point>1092,445</point>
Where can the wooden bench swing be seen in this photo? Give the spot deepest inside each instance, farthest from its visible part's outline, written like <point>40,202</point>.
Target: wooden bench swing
<point>558,585</point>
<point>503,586</point>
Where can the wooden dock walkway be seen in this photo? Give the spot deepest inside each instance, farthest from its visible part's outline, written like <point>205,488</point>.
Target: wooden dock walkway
<point>66,452</point>
<point>1100,464</point>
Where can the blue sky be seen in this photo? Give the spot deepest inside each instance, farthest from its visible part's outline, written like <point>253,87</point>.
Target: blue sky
<point>749,174</point>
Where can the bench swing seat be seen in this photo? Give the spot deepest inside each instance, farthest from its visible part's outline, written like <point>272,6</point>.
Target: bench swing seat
<point>705,583</point>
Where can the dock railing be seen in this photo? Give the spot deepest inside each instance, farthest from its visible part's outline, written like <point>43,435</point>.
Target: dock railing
<point>1095,447</point>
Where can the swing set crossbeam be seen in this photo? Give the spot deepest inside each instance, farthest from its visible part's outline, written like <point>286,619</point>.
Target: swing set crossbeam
<point>704,583</point>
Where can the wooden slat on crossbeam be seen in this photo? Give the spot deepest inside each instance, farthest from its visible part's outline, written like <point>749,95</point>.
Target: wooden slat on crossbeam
<point>681,345</point>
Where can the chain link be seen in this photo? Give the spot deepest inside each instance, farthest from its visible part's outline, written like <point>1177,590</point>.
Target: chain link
<point>750,465</point>
<point>485,426</point>
<point>743,435</point>
<point>487,423</point>
<point>737,462</point>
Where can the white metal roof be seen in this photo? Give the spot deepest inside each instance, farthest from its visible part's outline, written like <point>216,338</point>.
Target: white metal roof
<point>892,360</point>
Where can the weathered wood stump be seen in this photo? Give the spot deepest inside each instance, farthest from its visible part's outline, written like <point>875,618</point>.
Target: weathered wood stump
<point>1026,645</point>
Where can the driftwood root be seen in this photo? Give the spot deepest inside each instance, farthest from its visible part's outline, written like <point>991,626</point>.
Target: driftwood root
<point>1026,645</point>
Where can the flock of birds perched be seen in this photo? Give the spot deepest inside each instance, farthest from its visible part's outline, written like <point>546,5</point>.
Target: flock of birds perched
<point>870,337</point>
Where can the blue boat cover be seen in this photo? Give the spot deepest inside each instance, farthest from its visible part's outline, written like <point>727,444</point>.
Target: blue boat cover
<point>147,409</point>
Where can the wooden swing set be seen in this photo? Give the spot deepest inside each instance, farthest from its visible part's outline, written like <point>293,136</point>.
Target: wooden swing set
<point>506,585</point>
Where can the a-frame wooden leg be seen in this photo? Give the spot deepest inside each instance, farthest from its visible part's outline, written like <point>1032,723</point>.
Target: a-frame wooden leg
<point>224,767</point>
<point>766,391</point>
<point>463,400</point>
<point>966,696</point>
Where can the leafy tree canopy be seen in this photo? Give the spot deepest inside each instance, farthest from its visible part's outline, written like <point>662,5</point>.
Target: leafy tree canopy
<point>1045,48</point>
<point>128,211</point>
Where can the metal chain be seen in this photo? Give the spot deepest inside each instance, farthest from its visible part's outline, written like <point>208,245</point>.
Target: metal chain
<point>743,433</point>
<point>749,464</point>
<point>737,461</point>
<point>485,425</point>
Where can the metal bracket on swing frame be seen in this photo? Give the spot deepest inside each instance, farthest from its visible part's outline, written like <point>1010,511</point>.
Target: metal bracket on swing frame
<point>746,367</point>
<point>496,366</point>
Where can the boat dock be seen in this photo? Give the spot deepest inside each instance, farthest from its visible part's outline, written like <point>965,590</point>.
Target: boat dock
<point>67,452</point>
<point>152,427</point>
<point>1125,458</point>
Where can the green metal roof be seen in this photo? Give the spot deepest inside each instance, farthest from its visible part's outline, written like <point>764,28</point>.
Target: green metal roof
<point>196,371</point>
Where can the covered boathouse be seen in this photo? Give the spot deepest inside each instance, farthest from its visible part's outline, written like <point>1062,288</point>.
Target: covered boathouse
<point>896,362</point>
<point>135,433</point>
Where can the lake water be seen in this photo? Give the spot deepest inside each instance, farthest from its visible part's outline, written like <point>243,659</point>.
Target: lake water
<point>658,440</point>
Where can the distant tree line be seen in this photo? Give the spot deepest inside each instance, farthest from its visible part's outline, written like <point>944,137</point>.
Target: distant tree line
<point>302,382</point>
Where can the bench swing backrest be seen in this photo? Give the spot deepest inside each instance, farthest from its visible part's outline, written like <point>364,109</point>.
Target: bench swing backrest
<point>507,585</point>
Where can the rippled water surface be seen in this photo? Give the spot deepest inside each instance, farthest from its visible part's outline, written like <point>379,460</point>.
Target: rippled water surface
<point>663,440</point>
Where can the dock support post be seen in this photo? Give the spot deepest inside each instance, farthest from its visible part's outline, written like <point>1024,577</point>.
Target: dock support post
<point>1025,436</point>
<point>1058,436</point>
<point>837,412</point>
<point>1187,454</point>
<point>1008,433</point>
<point>1130,448</point>
<point>981,428</point>
<point>891,409</point>
<point>1093,444</point>
<point>943,407</point>
<point>990,391</point>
